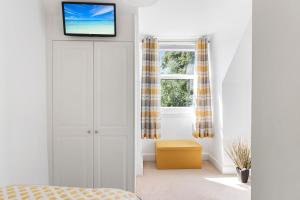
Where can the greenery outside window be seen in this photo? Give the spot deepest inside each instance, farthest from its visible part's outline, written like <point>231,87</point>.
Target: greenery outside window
<point>177,76</point>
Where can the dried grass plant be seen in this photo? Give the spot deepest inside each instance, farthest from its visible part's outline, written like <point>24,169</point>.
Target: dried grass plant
<point>240,153</point>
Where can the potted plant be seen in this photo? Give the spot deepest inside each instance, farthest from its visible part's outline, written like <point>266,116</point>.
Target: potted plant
<point>240,153</point>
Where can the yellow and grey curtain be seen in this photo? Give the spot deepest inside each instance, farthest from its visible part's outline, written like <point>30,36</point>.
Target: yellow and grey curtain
<point>203,111</point>
<point>150,90</point>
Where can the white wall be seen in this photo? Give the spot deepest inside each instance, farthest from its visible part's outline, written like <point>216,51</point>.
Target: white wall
<point>225,22</point>
<point>237,95</point>
<point>276,97</point>
<point>23,147</point>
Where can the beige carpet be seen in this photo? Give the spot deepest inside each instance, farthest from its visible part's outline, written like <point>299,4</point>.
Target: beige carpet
<point>204,184</point>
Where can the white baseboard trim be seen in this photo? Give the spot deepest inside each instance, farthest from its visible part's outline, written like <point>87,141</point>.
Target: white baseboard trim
<point>139,166</point>
<point>215,163</point>
<point>228,169</point>
<point>148,156</point>
<point>205,156</point>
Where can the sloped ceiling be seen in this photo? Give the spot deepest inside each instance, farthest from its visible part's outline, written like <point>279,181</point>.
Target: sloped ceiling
<point>241,66</point>
<point>224,21</point>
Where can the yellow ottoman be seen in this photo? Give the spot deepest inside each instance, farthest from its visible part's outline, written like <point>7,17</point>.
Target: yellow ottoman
<point>178,154</point>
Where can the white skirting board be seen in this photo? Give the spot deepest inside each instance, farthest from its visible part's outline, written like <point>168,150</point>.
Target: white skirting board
<point>227,169</point>
<point>205,156</point>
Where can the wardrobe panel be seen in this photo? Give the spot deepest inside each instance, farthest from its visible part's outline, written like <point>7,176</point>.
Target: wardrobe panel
<point>113,85</point>
<point>93,114</point>
<point>72,161</point>
<point>114,115</point>
<point>73,113</point>
<point>111,162</point>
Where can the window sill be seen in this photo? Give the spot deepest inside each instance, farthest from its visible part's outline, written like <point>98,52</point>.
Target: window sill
<point>177,111</point>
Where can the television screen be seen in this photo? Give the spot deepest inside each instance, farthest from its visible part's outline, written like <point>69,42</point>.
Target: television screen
<point>89,19</point>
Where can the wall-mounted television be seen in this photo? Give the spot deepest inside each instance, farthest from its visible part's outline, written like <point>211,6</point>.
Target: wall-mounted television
<point>89,19</point>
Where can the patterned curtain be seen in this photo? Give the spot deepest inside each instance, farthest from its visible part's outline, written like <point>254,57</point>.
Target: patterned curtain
<point>150,90</point>
<point>203,110</point>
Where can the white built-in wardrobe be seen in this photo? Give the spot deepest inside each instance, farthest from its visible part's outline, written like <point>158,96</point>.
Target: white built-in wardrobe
<point>92,133</point>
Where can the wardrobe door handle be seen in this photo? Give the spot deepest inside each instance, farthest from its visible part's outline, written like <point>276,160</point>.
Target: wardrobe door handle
<point>96,132</point>
<point>89,132</point>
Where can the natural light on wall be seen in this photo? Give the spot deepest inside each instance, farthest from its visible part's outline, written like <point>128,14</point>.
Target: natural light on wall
<point>140,3</point>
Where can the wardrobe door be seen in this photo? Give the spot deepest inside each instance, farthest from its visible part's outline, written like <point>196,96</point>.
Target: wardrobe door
<point>73,113</point>
<point>113,115</point>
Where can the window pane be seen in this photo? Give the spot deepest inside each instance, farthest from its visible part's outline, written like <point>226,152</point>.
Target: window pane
<point>177,62</point>
<point>176,92</point>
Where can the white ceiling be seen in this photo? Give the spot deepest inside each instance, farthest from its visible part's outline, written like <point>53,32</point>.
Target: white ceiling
<point>193,17</point>
<point>224,21</point>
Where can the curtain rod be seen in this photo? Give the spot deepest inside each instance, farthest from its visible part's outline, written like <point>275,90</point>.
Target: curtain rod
<point>179,41</point>
<point>191,39</point>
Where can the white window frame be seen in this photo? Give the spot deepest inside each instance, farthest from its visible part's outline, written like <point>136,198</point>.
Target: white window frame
<point>178,47</point>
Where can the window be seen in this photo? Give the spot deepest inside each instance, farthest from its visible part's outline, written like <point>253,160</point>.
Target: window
<point>177,75</point>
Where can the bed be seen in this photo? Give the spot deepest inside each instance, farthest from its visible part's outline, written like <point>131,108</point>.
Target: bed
<point>36,192</point>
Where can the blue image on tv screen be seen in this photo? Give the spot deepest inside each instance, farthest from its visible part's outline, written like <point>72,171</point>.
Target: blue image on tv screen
<point>89,19</point>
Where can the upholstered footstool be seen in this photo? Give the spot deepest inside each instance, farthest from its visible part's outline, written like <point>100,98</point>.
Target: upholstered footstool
<point>178,154</point>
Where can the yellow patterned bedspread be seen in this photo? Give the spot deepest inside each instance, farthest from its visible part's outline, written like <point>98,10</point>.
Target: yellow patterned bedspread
<point>36,192</point>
